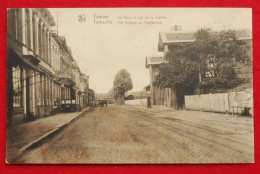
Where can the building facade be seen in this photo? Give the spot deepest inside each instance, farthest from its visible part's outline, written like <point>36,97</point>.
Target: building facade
<point>159,96</point>
<point>156,94</point>
<point>168,41</point>
<point>40,68</point>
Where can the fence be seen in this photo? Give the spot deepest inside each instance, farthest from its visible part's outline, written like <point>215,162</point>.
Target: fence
<point>238,102</point>
<point>136,102</point>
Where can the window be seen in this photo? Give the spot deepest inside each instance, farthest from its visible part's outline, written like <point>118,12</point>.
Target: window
<point>210,68</point>
<point>43,40</point>
<point>11,25</point>
<point>47,90</point>
<point>39,39</point>
<point>44,89</point>
<point>17,87</point>
<point>34,32</point>
<point>47,47</point>
<point>27,28</point>
<point>18,24</point>
<point>67,93</point>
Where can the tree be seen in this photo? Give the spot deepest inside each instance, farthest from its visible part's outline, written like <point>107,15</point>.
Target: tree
<point>180,69</point>
<point>226,52</point>
<point>91,94</point>
<point>110,93</point>
<point>122,84</point>
<point>213,54</point>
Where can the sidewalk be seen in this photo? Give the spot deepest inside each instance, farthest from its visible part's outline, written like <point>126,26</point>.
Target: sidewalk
<point>21,137</point>
<point>239,126</point>
<point>189,114</point>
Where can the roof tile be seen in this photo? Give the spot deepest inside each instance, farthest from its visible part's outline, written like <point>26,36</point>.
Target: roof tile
<point>174,37</point>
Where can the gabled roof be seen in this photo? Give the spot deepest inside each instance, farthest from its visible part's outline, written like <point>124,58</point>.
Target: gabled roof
<point>173,37</point>
<point>153,60</point>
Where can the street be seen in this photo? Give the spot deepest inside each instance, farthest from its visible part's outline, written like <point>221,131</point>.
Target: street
<point>124,134</point>
<point>128,86</point>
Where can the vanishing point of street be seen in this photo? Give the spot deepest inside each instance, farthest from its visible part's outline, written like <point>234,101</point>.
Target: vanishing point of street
<point>134,134</point>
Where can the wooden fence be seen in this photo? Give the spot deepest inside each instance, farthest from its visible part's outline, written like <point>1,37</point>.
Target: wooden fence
<point>235,102</point>
<point>136,102</point>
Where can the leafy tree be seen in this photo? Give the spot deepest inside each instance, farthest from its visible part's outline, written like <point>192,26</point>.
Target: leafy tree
<point>91,94</point>
<point>122,84</point>
<point>201,49</point>
<point>226,52</point>
<point>212,54</point>
<point>180,69</point>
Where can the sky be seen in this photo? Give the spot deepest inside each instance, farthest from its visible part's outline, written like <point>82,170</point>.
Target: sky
<point>101,50</point>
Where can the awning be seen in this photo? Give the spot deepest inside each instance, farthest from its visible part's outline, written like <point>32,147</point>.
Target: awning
<point>15,58</point>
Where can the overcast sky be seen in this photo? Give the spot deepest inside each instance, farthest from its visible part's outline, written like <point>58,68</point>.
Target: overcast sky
<point>103,49</point>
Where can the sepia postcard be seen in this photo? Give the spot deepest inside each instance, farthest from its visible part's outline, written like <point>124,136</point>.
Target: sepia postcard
<point>129,86</point>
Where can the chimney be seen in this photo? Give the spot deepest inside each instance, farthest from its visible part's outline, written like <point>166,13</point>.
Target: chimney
<point>176,28</point>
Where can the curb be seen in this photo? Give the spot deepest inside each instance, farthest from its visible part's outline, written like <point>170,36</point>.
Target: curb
<point>46,135</point>
<point>35,143</point>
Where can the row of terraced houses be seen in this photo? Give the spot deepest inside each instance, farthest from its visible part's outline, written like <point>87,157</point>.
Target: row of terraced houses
<point>41,70</point>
